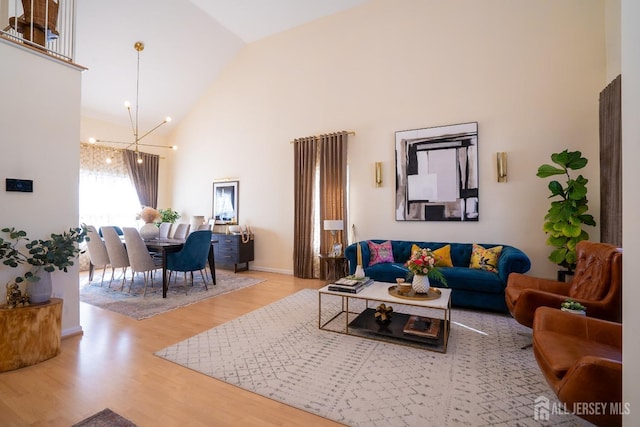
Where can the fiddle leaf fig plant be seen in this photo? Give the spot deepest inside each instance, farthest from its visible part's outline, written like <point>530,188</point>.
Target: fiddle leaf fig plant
<point>567,214</point>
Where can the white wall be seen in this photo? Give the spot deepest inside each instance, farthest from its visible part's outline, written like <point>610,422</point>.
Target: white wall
<point>630,17</point>
<point>528,72</point>
<point>40,125</point>
<point>613,43</point>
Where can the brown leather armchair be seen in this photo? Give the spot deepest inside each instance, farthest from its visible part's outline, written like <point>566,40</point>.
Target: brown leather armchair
<point>596,284</point>
<point>581,359</point>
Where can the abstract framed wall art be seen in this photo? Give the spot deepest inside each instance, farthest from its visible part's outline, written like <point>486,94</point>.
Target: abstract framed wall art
<point>437,173</point>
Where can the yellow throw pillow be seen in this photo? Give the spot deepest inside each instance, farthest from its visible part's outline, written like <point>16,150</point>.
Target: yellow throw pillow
<point>443,254</point>
<point>485,259</point>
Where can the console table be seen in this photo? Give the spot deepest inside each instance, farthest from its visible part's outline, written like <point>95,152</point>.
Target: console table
<point>30,335</point>
<point>231,251</point>
<point>333,268</point>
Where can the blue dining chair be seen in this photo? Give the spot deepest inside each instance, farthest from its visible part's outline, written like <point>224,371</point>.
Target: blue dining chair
<point>192,257</point>
<point>119,231</point>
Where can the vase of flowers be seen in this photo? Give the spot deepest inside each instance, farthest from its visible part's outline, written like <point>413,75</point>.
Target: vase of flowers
<point>420,283</point>
<point>149,230</point>
<point>423,265</point>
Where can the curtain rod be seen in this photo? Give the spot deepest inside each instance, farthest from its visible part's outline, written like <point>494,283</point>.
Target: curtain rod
<point>96,145</point>
<point>352,133</point>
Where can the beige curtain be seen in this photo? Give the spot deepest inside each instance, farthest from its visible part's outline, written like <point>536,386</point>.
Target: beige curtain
<point>305,166</point>
<point>320,186</point>
<point>611,163</point>
<point>333,186</point>
<point>106,193</point>
<point>144,175</point>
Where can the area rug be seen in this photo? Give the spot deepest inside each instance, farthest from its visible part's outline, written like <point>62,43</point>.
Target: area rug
<point>277,351</point>
<point>139,307</point>
<point>105,418</point>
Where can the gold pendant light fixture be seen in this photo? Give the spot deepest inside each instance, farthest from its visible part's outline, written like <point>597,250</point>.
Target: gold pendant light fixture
<point>133,118</point>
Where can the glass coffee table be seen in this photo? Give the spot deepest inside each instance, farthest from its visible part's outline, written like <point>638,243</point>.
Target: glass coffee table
<point>354,314</point>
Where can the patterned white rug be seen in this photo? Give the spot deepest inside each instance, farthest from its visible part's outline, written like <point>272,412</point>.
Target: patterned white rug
<point>137,306</point>
<point>485,378</point>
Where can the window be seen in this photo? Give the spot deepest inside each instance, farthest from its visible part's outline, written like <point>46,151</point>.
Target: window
<point>107,195</point>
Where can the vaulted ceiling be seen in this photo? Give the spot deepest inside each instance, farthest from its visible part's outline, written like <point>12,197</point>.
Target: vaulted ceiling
<point>187,44</point>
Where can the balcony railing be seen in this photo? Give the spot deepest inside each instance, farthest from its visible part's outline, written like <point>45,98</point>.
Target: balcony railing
<point>46,25</point>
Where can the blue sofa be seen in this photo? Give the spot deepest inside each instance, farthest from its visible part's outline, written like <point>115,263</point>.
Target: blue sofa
<point>471,288</point>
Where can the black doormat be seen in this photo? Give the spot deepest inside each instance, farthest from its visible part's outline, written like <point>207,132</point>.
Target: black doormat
<point>105,418</point>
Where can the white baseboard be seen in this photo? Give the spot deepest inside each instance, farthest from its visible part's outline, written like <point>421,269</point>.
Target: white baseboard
<point>72,332</point>
<point>272,270</point>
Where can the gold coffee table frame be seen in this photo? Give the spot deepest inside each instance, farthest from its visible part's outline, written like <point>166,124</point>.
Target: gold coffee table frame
<point>378,292</point>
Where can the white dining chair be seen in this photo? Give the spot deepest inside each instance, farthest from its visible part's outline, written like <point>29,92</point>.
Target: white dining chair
<point>139,257</point>
<point>117,253</point>
<point>98,254</point>
<point>165,230</point>
<point>182,231</point>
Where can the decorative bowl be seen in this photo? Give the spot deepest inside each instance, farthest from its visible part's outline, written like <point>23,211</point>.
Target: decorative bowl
<point>403,288</point>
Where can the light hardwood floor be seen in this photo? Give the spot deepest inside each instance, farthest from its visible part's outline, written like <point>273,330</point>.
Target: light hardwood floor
<point>112,366</point>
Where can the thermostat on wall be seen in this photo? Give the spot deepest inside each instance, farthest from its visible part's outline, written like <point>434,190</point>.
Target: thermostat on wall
<point>22,185</point>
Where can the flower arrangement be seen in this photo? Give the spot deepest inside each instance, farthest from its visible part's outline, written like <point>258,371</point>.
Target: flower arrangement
<point>425,262</point>
<point>149,215</point>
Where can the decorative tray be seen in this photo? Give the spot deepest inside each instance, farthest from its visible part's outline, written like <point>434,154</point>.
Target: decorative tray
<point>434,293</point>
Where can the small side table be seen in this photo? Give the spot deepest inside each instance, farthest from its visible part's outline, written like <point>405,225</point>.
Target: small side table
<point>29,335</point>
<point>333,268</point>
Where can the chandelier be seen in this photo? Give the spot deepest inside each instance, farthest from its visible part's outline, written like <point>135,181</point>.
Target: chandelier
<point>133,118</point>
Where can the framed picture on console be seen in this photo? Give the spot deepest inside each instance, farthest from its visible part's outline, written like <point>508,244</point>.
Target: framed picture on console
<point>225,202</point>
<point>437,173</point>
<point>336,250</point>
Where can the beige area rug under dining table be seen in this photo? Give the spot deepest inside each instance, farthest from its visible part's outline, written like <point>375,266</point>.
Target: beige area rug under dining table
<point>484,379</point>
<point>140,307</point>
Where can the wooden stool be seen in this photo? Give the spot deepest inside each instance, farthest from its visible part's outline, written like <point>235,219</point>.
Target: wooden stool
<point>30,335</point>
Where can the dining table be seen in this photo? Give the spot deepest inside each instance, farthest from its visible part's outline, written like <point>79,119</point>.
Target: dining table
<point>166,246</point>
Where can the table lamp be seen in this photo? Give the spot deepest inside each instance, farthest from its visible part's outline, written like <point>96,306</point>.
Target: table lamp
<point>333,225</point>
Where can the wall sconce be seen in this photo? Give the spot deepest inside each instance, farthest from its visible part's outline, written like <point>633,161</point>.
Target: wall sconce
<point>501,163</point>
<point>378,174</point>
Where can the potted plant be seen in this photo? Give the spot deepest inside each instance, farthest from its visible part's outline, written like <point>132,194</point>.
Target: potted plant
<point>573,307</point>
<point>422,266</point>
<point>46,255</point>
<point>169,215</point>
<point>567,214</point>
